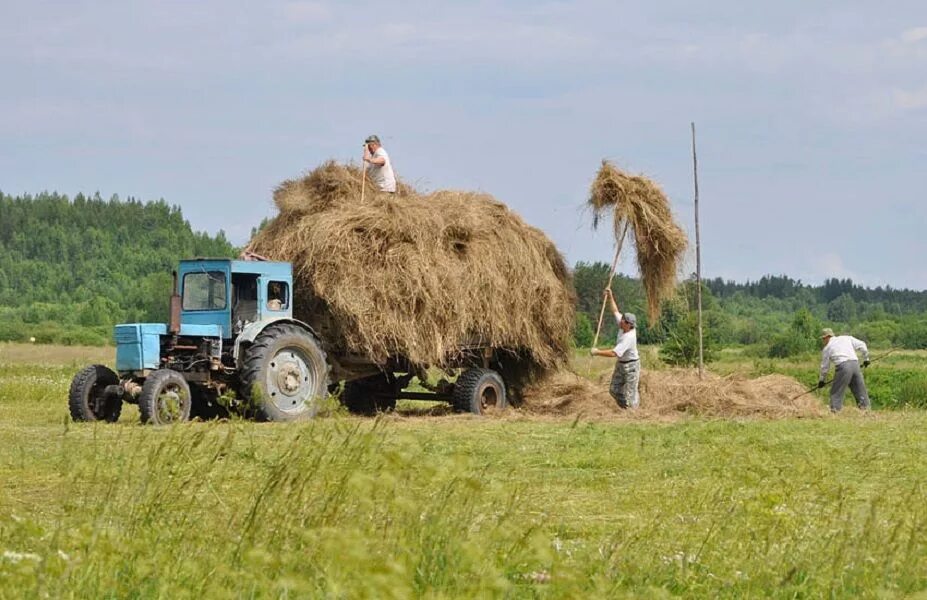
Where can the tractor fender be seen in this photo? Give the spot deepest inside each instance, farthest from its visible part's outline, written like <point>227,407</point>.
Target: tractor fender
<point>252,330</point>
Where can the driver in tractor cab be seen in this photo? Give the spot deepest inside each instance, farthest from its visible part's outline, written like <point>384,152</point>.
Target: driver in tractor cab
<point>275,296</point>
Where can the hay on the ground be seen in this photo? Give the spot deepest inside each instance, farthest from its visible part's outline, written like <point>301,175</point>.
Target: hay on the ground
<point>414,276</point>
<point>674,392</point>
<point>659,242</point>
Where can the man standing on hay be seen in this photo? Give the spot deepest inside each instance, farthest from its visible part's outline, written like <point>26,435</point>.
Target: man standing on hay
<point>378,165</point>
<point>627,373</point>
<point>841,350</point>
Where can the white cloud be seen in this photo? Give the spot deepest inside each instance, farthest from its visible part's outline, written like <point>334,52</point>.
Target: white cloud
<point>831,265</point>
<point>910,99</point>
<point>307,12</point>
<point>912,36</point>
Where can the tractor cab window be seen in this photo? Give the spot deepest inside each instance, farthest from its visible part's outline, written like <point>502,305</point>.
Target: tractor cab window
<point>278,295</point>
<point>244,298</point>
<point>204,290</point>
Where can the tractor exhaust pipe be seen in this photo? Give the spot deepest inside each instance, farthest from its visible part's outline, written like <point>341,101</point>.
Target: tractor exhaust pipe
<point>174,326</point>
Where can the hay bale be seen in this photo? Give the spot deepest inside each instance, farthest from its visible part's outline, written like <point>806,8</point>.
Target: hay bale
<point>413,276</point>
<point>660,243</point>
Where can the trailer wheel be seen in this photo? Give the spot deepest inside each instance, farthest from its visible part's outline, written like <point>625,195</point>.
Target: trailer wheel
<point>165,398</point>
<point>369,395</point>
<point>479,391</point>
<point>284,375</point>
<point>87,398</point>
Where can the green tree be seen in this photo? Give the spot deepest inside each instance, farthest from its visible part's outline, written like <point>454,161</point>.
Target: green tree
<point>842,309</point>
<point>582,331</point>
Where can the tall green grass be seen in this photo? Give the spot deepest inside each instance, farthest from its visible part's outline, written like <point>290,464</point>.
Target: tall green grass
<point>455,506</point>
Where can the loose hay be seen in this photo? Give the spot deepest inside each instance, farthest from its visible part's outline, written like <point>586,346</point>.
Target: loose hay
<point>412,277</point>
<point>679,390</point>
<point>673,392</point>
<point>658,240</point>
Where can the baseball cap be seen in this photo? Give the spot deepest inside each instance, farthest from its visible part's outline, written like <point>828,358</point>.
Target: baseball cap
<point>827,332</point>
<point>372,139</point>
<point>630,318</point>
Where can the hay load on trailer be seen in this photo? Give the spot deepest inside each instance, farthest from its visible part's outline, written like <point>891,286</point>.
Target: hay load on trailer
<point>402,282</point>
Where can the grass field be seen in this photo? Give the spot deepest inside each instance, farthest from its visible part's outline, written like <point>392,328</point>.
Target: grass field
<point>452,506</point>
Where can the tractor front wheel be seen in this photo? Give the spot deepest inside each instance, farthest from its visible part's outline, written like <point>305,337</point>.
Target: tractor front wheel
<point>284,375</point>
<point>87,398</point>
<point>165,398</point>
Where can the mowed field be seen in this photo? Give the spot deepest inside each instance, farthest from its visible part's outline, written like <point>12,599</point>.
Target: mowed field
<point>451,506</point>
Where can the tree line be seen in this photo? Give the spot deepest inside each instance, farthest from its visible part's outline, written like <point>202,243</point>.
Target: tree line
<point>778,316</point>
<point>71,268</point>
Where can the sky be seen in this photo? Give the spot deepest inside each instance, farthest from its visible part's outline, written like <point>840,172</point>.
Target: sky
<point>811,117</point>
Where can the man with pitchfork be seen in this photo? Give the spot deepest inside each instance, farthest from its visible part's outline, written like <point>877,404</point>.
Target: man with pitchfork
<point>378,166</point>
<point>841,351</point>
<point>627,373</point>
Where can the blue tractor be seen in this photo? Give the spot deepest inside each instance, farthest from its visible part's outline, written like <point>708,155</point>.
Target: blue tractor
<point>231,335</point>
<point>232,344</point>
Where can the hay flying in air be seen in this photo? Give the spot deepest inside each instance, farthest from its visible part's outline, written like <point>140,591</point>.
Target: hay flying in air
<point>413,276</point>
<point>660,243</point>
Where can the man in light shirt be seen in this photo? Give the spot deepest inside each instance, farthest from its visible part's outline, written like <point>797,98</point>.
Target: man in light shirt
<point>841,351</point>
<point>378,165</point>
<point>627,373</point>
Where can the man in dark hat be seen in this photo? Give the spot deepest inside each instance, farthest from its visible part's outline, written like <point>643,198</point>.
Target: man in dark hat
<point>841,351</point>
<point>627,374</point>
<point>378,165</point>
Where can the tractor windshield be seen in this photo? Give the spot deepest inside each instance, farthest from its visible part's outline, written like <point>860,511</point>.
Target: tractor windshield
<point>205,290</point>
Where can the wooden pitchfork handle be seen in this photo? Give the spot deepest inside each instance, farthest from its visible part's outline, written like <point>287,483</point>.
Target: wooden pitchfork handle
<point>611,276</point>
<point>363,177</point>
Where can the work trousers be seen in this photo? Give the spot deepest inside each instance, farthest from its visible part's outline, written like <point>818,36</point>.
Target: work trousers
<point>848,374</point>
<point>625,380</point>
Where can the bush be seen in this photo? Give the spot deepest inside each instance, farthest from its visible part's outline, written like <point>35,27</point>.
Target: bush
<point>800,338</point>
<point>785,345</point>
<point>913,392</point>
<point>582,331</point>
<point>912,335</point>
<point>11,331</point>
<point>681,345</point>
<point>84,336</point>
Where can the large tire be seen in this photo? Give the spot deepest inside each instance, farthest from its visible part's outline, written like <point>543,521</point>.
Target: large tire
<point>165,398</point>
<point>284,376</point>
<point>479,391</point>
<point>86,398</point>
<point>369,395</point>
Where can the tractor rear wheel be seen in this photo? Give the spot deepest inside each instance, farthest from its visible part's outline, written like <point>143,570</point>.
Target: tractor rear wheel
<point>479,391</point>
<point>369,395</point>
<point>165,398</point>
<point>284,375</point>
<point>87,398</point>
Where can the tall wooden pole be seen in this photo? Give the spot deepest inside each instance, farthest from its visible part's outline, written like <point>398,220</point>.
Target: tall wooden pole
<point>698,261</point>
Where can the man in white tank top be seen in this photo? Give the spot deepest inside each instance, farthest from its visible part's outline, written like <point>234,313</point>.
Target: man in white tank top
<point>378,165</point>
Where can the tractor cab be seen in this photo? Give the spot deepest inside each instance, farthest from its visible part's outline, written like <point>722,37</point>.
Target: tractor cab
<point>232,294</point>
<point>231,334</point>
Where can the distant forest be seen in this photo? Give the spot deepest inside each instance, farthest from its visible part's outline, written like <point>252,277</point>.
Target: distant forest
<point>71,268</point>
